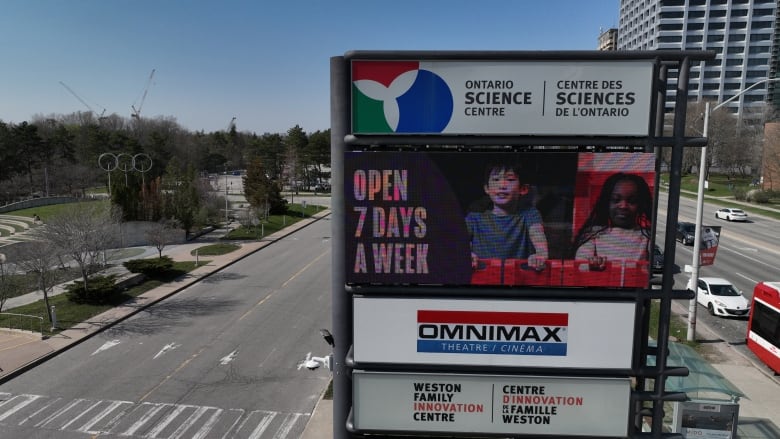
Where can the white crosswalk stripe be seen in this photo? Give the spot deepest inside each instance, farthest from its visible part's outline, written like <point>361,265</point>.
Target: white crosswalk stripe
<point>148,420</point>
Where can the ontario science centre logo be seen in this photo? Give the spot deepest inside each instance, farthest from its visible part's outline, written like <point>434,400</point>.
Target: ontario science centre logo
<point>492,333</point>
<point>398,97</point>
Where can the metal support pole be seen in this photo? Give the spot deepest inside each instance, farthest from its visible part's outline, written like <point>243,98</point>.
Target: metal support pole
<point>226,196</point>
<point>341,320</point>
<point>696,262</point>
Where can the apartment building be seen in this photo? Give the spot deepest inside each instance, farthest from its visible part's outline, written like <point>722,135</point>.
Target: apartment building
<point>743,33</point>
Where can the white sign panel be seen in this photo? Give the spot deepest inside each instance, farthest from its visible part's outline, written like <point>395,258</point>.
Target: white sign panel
<point>610,98</point>
<point>494,332</point>
<point>531,405</point>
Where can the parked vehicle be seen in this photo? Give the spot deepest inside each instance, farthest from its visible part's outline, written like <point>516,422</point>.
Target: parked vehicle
<point>763,329</point>
<point>658,259</point>
<point>721,298</point>
<point>686,233</point>
<point>730,214</point>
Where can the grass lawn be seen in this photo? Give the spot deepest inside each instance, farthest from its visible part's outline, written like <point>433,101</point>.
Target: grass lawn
<point>46,212</point>
<point>724,188</point>
<point>274,223</point>
<point>70,314</point>
<point>21,284</point>
<point>215,249</point>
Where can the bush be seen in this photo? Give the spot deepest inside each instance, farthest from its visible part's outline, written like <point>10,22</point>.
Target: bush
<point>101,291</point>
<point>153,267</point>
<point>758,196</point>
<point>740,194</point>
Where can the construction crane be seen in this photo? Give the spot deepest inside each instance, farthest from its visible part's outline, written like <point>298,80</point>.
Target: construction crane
<point>137,111</point>
<point>82,101</point>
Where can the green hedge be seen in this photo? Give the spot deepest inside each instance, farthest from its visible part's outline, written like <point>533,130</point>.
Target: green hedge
<point>101,291</point>
<point>152,268</point>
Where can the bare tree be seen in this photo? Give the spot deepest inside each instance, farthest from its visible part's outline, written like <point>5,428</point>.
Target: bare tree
<point>731,145</point>
<point>83,232</point>
<point>160,234</point>
<point>40,257</point>
<point>771,157</point>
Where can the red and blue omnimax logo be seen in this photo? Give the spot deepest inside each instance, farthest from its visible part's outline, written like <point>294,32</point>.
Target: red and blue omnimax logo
<point>492,333</point>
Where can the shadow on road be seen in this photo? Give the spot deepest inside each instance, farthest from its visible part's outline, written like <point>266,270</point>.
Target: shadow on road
<point>171,312</point>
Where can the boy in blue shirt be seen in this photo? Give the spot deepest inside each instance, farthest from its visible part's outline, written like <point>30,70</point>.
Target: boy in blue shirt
<point>510,228</point>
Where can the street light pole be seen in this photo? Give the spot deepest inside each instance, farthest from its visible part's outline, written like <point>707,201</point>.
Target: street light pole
<point>226,196</point>
<point>696,262</point>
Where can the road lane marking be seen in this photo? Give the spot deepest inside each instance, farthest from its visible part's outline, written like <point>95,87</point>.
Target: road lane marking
<point>287,425</point>
<point>106,345</point>
<point>181,366</point>
<point>191,420</point>
<point>149,420</point>
<point>84,412</point>
<point>233,425</point>
<point>29,400</point>
<point>228,358</point>
<point>166,348</point>
<point>264,299</point>
<point>86,428</point>
<point>165,422</point>
<point>41,410</point>
<point>261,427</point>
<point>745,277</point>
<point>58,413</point>
<point>145,418</point>
<point>747,257</point>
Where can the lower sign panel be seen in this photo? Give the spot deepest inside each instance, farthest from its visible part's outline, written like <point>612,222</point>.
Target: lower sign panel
<point>491,404</point>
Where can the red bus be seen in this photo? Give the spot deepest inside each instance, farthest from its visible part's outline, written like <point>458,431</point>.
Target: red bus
<point>763,331</point>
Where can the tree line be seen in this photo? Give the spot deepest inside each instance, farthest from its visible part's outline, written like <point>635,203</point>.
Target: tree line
<point>59,155</point>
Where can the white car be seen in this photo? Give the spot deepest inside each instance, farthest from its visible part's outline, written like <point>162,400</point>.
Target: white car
<point>721,298</point>
<point>730,214</point>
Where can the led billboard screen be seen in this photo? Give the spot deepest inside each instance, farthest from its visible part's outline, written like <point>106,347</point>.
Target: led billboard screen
<point>498,218</point>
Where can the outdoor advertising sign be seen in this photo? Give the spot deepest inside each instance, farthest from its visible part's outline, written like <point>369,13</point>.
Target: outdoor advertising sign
<point>611,98</point>
<point>557,219</point>
<point>525,405</point>
<point>488,333</point>
<point>706,419</point>
<point>710,237</point>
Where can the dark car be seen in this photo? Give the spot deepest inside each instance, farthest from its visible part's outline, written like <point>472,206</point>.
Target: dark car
<point>686,233</point>
<point>658,260</point>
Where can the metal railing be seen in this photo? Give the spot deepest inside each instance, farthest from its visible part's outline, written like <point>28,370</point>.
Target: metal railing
<point>21,322</point>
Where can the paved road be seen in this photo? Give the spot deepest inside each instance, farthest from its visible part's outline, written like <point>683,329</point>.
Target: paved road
<point>219,359</point>
<point>747,253</point>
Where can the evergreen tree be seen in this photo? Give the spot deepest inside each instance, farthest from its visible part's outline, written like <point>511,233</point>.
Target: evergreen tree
<point>261,192</point>
<point>181,195</point>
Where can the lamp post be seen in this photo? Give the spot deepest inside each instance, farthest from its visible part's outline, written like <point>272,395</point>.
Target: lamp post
<point>226,196</point>
<point>696,262</point>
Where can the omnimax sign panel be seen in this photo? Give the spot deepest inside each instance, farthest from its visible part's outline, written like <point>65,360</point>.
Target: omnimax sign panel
<point>474,332</point>
<point>611,98</point>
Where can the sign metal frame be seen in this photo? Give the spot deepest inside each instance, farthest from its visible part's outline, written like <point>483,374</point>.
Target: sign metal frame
<point>648,400</point>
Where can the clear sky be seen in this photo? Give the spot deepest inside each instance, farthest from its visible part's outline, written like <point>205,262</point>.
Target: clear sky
<point>264,62</point>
